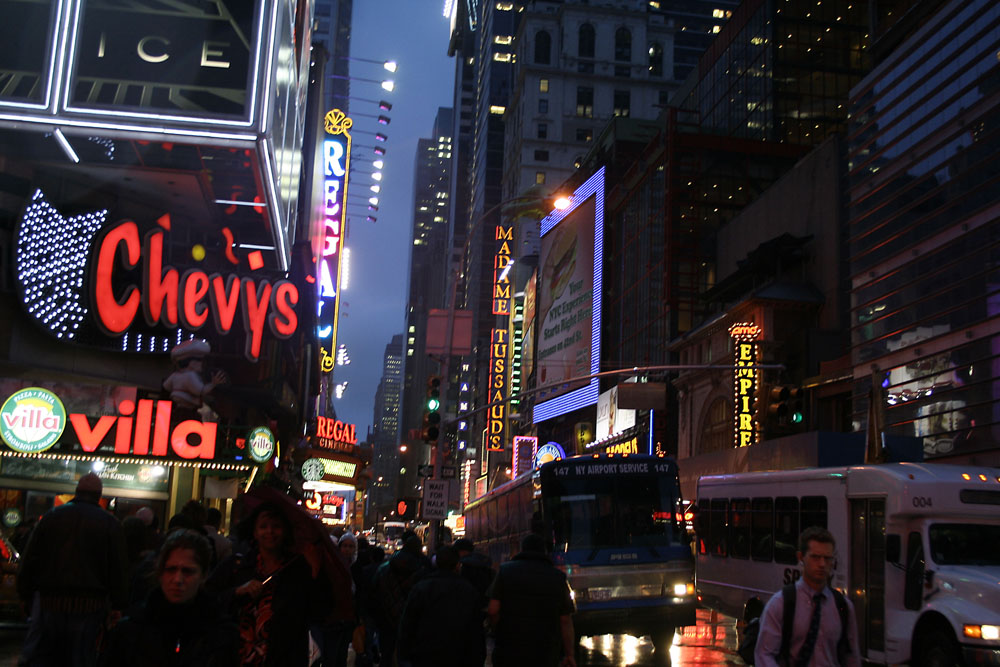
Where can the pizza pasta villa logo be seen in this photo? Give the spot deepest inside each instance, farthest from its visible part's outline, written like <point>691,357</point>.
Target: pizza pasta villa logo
<point>32,420</point>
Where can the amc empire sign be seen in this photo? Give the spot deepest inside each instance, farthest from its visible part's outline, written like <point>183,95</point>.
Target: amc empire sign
<point>745,378</point>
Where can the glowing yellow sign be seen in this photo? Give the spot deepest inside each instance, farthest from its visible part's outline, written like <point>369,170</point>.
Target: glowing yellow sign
<point>745,378</point>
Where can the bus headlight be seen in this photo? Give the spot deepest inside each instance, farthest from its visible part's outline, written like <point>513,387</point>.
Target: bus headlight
<point>683,589</point>
<point>982,631</point>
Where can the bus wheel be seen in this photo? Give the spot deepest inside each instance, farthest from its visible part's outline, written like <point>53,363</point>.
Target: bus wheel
<point>938,649</point>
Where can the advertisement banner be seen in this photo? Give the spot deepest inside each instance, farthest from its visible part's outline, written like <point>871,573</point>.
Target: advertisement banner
<point>566,301</point>
<point>180,59</point>
<point>530,310</point>
<point>611,419</point>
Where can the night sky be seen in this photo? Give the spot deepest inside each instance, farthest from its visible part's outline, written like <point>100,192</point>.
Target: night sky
<point>415,34</point>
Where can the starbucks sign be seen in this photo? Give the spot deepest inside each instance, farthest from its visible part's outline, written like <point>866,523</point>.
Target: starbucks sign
<point>32,420</point>
<point>261,444</point>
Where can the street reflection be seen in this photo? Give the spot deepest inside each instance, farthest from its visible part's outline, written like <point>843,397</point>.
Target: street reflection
<point>712,641</point>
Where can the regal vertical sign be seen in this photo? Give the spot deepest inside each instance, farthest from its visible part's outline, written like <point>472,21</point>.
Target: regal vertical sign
<point>336,166</point>
<point>745,377</point>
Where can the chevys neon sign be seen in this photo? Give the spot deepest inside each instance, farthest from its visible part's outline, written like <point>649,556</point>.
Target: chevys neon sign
<point>745,381</point>
<point>190,299</point>
<point>336,167</point>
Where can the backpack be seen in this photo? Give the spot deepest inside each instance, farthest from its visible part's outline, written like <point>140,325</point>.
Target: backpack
<point>749,642</point>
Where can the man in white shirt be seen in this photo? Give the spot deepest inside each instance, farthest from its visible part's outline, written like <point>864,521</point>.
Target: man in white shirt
<point>816,625</point>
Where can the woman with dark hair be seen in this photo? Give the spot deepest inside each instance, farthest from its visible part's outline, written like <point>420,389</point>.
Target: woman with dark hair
<point>273,593</point>
<point>179,624</point>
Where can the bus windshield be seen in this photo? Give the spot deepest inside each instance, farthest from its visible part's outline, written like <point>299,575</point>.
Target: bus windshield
<point>965,544</point>
<point>612,512</point>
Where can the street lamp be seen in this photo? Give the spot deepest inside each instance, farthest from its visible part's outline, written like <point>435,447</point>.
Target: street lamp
<point>387,65</point>
<point>388,85</point>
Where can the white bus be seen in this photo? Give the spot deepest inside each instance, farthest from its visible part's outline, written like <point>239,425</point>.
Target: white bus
<point>918,548</point>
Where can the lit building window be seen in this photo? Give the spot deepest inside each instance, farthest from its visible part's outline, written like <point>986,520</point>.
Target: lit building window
<point>543,86</point>
<point>505,6</point>
<point>503,39</point>
<point>502,57</point>
<point>716,28</point>
<point>540,178</point>
<point>497,109</point>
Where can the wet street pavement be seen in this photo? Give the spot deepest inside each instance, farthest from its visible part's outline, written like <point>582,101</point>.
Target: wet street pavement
<point>712,642</point>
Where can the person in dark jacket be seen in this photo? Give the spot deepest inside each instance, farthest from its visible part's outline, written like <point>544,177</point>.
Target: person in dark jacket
<point>531,609</point>
<point>442,621</point>
<point>393,581</point>
<point>273,593</point>
<point>179,625</point>
<point>72,578</point>
<point>476,567</point>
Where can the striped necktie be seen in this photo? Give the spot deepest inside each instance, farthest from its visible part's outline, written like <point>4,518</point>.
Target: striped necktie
<point>805,653</point>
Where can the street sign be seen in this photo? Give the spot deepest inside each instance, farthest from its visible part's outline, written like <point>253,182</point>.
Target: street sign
<point>435,505</point>
<point>425,470</point>
<point>448,472</point>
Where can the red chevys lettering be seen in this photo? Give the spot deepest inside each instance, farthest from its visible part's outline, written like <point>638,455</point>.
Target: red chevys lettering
<point>167,297</point>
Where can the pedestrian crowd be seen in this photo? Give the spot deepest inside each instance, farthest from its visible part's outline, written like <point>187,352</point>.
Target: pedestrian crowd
<point>276,592</point>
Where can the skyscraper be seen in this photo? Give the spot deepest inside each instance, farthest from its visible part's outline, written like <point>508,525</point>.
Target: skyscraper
<point>427,279</point>
<point>385,429</point>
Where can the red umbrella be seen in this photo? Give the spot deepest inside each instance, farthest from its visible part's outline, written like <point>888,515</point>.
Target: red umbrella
<point>310,533</point>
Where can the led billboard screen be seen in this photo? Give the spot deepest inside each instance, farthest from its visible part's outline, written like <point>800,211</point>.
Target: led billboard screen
<point>569,302</point>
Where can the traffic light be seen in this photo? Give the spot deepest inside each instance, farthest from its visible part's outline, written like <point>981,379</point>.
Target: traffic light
<point>432,414</point>
<point>785,404</point>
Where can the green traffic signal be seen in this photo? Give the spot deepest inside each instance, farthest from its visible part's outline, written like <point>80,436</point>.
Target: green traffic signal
<point>433,404</point>
<point>796,418</point>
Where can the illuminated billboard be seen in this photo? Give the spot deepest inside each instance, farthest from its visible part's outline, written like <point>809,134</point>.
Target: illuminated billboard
<point>569,302</point>
<point>336,167</point>
<point>184,61</point>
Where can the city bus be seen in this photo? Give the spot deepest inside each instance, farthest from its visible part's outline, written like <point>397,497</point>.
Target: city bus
<point>918,551</point>
<point>615,527</point>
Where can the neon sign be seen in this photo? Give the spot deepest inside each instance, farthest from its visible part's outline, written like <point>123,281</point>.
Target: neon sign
<point>501,270</point>
<point>525,449</point>
<point>497,422</point>
<point>190,299</point>
<point>141,428</point>
<point>336,167</point>
<point>137,440</point>
<point>335,434</point>
<point>745,378</point>
<point>32,420</point>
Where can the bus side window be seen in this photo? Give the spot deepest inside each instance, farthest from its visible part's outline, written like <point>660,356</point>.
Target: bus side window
<point>717,532</point>
<point>762,529</point>
<point>813,511</point>
<point>739,528</point>
<point>786,529</point>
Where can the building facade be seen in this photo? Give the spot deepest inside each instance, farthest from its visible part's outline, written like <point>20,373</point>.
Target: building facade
<point>385,432</point>
<point>924,220</point>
